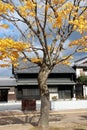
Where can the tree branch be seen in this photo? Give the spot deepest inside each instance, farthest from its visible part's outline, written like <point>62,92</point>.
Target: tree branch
<point>45,18</point>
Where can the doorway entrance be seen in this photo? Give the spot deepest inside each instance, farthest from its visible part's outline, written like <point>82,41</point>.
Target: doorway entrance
<point>4,95</point>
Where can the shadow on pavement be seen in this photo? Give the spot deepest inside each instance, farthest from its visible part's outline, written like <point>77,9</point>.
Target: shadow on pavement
<point>25,117</point>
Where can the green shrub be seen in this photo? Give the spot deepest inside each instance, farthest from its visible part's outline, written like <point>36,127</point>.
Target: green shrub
<point>82,80</point>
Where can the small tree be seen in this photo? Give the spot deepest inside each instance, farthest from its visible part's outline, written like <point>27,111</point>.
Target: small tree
<point>48,25</point>
<point>82,80</point>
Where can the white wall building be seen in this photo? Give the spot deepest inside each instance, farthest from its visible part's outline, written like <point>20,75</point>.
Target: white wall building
<point>81,67</point>
<point>81,70</point>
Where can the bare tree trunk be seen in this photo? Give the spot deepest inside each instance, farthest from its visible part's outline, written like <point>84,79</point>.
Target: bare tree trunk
<point>44,91</point>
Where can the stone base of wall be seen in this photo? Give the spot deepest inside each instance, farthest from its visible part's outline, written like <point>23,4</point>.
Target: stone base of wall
<point>12,94</point>
<point>11,97</point>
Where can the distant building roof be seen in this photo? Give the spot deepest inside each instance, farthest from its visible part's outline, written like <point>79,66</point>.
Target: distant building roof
<point>9,82</point>
<point>33,68</point>
<point>81,65</point>
<point>81,62</point>
<point>4,88</point>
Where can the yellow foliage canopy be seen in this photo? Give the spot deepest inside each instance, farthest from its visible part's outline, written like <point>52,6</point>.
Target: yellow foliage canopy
<point>58,16</point>
<point>58,1</point>
<point>11,49</point>
<point>28,9</point>
<point>80,42</point>
<point>70,13</point>
<point>80,24</point>
<point>4,8</point>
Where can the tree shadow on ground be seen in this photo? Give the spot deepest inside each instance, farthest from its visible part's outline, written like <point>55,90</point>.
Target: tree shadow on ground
<point>79,129</point>
<point>26,117</point>
<point>10,120</point>
<point>83,117</point>
<point>34,119</point>
<point>15,118</point>
<point>57,117</point>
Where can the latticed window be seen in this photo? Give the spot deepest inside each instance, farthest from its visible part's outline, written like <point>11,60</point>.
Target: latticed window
<point>30,92</point>
<point>53,89</point>
<point>19,93</point>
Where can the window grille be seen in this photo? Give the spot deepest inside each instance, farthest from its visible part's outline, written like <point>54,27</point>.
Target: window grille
<point>53,90</point>
<point>30,92</point>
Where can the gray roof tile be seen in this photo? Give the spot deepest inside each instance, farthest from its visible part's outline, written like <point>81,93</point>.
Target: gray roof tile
<point>33,68</point>
<point>7,82</point>
<point>50,81</point>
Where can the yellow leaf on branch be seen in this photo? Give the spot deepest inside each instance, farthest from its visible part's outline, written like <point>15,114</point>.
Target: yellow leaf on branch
<point>36,60</point>
<point>4,65</point>
<point>11,49</point>
<point>4,8</point>
<point>24,60</point>
<point>58,22</point>
<point>58,1</point>
<point>4,26</point>
<point>66,62</point>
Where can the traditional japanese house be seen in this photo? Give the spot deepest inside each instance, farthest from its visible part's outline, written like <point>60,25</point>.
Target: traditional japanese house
<point>61,82</point>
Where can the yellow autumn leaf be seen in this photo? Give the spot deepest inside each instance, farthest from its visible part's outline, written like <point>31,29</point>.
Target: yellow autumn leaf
<point>24,60</point>
<point>49,47</point>
<point>36,60</point>
<point>4,65</point>
<point>15,64</point>
<point>66,62</point>
<point>85,49</point>
<point>58,22</point>
<point>58,1</point>
<point>4,26</point>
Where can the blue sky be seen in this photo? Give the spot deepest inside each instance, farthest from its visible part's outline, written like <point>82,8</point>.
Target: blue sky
<point>10,32</point>
<point>5,72</point>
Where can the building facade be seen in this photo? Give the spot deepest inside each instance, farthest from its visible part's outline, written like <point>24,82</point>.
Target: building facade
<point>80,67</point>
<point>7,89</point>
<point>61,82</point>
<point>24,85</point>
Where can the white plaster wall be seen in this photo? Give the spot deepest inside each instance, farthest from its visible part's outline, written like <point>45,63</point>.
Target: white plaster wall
<point>85,73</point>
<point>38,105</point>
<point>85,90</point>
<point>77,73</point>
<point>65,105</point>
<point>55,105</point>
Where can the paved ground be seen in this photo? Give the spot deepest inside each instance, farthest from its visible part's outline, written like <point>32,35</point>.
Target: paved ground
<point>63,120</point>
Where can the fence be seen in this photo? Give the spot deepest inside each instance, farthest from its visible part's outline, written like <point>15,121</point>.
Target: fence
<point>54,105</point>
<point>65,105</point>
